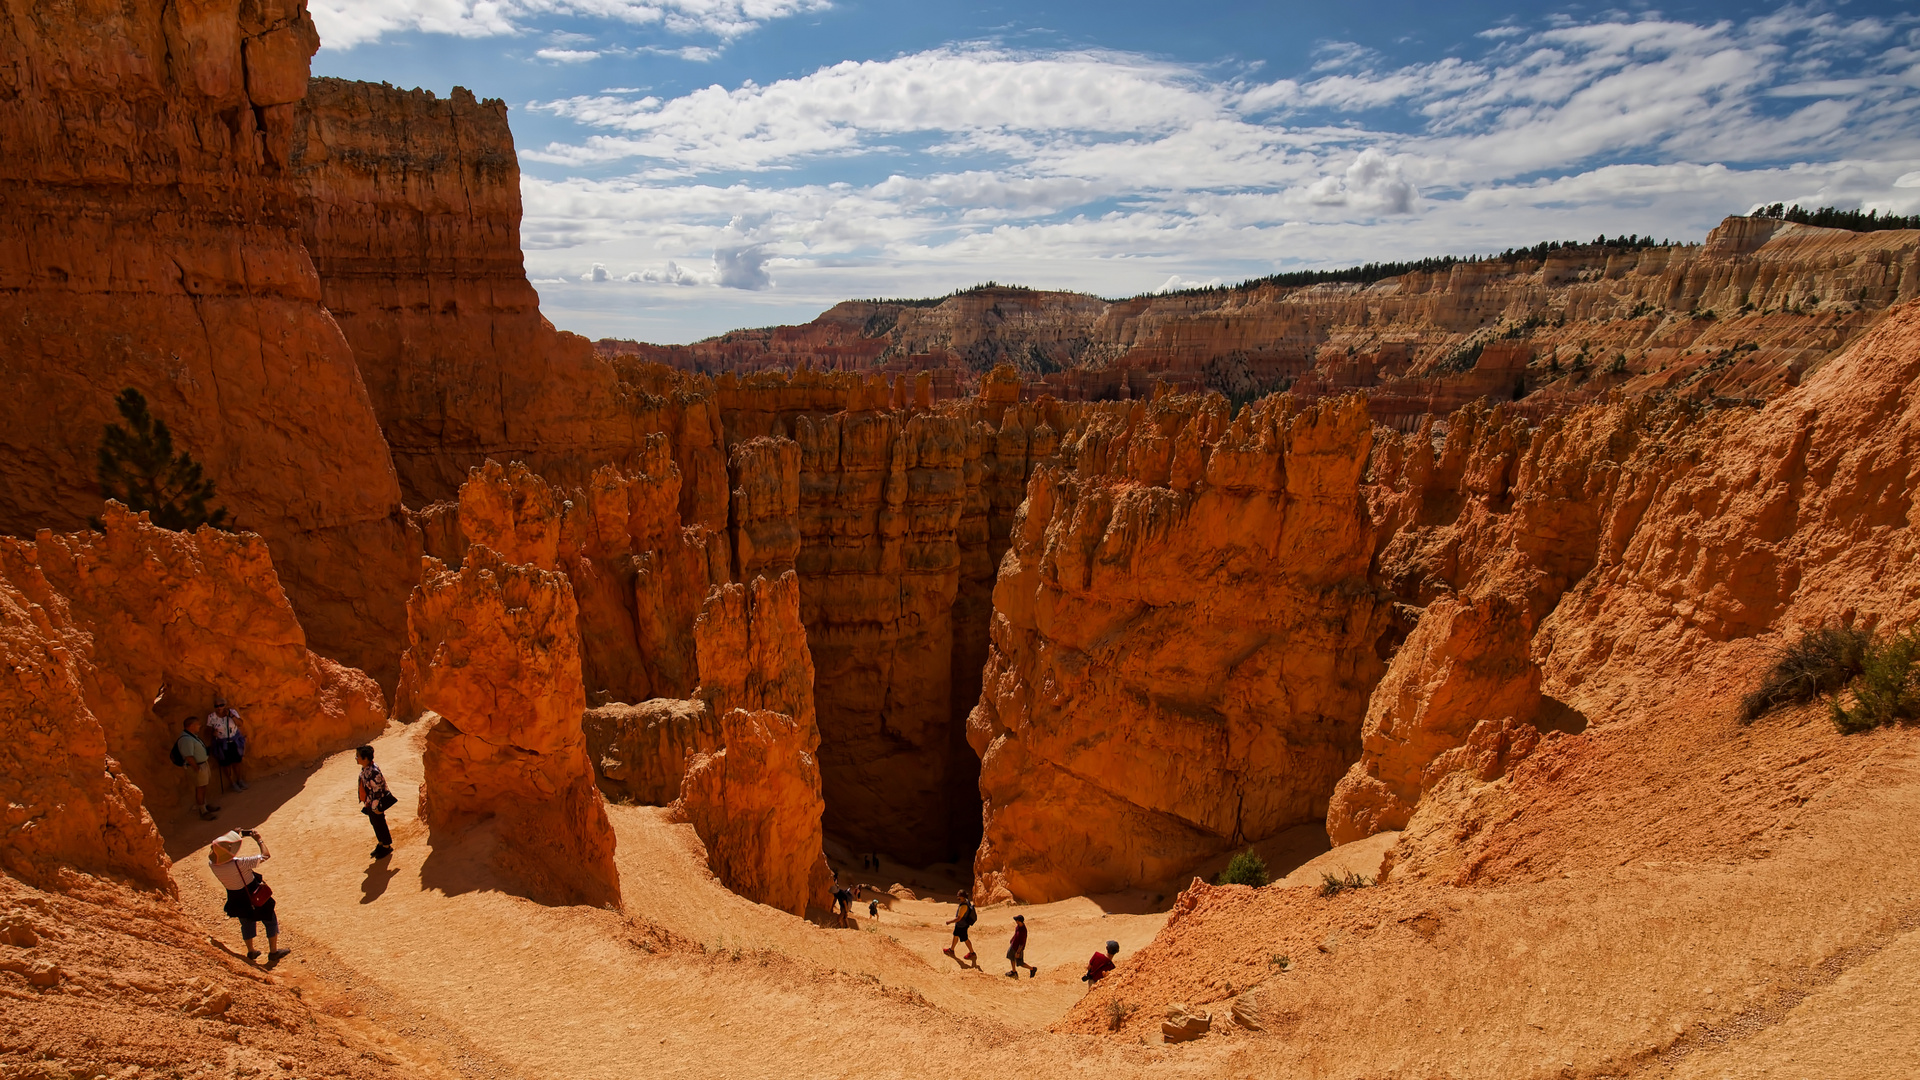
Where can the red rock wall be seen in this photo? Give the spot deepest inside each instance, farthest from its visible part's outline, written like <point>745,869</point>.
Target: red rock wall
<point>411,209</point>
<point>149,626</point>
<point>150,237</point>
<point>178,618</point>
<point>1183,642</point>
<point>756,801</point>
<point>69,805</point>
<point>637,576</point>
<point>494,649</point>
<point>1643,541</point>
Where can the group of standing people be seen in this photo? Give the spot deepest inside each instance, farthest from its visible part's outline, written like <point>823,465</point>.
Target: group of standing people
<point>249,898</point>
<point>207,743</point>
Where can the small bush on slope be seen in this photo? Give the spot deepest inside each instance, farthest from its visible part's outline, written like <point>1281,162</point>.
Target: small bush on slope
<point>1888,690</point>
<point>1822,662</point>
<point>1334,886</point>
<point>1245,869</point>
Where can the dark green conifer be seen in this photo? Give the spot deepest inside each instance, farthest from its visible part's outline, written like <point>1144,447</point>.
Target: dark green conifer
<point>138,468</point>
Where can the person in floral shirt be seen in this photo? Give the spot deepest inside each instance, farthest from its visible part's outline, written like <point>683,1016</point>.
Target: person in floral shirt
<point>375,799</point>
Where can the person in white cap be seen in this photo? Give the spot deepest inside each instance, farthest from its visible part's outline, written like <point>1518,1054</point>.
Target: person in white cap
<point>229,745</point>
<point>248,897</point>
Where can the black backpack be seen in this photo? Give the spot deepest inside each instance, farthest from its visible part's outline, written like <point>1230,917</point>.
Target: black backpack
<point>174,755</point>
<point>972,916</point>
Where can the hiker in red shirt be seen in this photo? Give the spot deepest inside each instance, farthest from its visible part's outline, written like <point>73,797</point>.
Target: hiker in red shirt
<point>1100,964</point>
<point>1017,951</point>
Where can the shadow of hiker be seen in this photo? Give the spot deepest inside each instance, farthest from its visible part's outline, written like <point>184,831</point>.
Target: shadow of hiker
<point>379,876</point>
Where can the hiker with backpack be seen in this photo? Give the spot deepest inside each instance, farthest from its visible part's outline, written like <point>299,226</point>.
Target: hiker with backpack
<point>962,922</point>
<point>249,898</point>
<point>375,800</point>
<point>227,743</point>
<point>842,906</point>
<point>189,752</point>
<point>1017,950</point>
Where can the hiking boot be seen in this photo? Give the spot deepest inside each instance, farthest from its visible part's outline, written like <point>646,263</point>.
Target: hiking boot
<point>239,785</point>
<point>213,810</point>
<point>208,815</point>
<point>970,957</point>
<point>277,954</point>
<point>381,851</point>
<point>1032,972</point>
<point>1013,975</point>
<point>949,952</point>
<point>252,955</point>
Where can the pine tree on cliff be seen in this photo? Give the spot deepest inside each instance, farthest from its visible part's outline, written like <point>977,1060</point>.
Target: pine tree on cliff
<point>138,468</point>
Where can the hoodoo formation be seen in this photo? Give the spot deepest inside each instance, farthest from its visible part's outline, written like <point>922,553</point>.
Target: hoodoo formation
<point>1447,591</point>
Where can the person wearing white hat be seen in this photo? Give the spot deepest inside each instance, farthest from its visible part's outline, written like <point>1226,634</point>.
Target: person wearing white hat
<point>248,897</point>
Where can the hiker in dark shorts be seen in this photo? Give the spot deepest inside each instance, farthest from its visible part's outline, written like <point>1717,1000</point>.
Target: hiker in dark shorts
<point>375,800</point>
<point>962,922</point>
<point>248,899</point>
<point>842,906</point>
<point>1101,963</point>
<point>1017,950</point>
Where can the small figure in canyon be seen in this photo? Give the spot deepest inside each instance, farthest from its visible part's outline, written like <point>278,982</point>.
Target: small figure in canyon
<point>1017,950</point>
<point>964,916</point>
<point>190,753</point>
<point>375,800</point>
<point>228,744</point>
<point>1101,963</point>
<point>842,906</point>
<point>873,909</point>
<point>248,897</point>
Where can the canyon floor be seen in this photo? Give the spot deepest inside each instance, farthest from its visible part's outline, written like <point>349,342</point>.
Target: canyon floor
<point>1743,903</point>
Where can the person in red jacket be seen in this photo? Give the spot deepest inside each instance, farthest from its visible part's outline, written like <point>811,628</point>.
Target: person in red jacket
<point>1101,963</point>
<point>1017,950</point>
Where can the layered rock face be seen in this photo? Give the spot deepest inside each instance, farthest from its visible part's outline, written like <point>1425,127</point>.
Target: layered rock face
<point>171,621</point>
<point>411,210</point>
<point>1184,637</point>
<point>494,649</point>
<point>1465,666</point>
<point>756,801</point>
<point>69,805</point>
<point>154,239</point>
<point>637,575</point>
<point>1641,540</point>
<point>1798,514</point>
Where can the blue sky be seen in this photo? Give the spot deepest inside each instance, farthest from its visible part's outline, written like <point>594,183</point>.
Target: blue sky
<point>691,166</point>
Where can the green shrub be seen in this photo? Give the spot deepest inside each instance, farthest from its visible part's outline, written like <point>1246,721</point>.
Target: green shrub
<point>1245,869</point>
<point>1888,690</point>
<point>1821,662</point>
<point>1334,886</point>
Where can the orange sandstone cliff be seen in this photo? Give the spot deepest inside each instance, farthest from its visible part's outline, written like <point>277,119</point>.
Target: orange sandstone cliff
<point>755,801</point>
<point>410,206</point>
<point>1183,640</point>
<point>171,620</point>
<point>494,650</point>
<point>152,233</point>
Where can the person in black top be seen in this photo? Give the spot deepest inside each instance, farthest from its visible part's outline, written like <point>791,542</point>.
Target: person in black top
<point>962,922</point>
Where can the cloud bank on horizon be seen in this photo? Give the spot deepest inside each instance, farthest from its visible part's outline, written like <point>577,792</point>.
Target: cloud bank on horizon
<point>679,214</point>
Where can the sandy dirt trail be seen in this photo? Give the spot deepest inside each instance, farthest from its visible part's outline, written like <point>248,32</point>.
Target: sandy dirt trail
<point>491,983</point>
